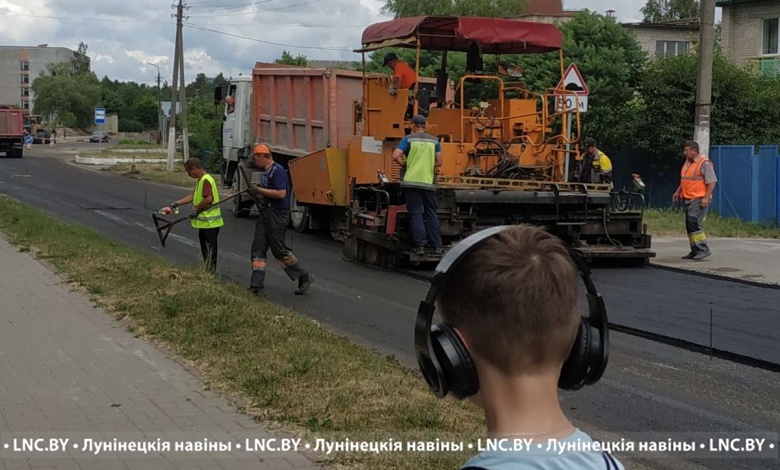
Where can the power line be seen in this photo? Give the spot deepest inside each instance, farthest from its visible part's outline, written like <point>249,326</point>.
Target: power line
<point>70,18</point>
<point>343,49</point>
<point>233,6</point>
<point>274,25</point>
<point>288,25</point>
<point>257,11</point>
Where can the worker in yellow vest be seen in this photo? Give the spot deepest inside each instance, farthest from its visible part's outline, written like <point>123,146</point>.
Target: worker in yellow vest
<point>596,165</point>
<point>697,183</point>
<point>207,220</point>
<point>420,153</point>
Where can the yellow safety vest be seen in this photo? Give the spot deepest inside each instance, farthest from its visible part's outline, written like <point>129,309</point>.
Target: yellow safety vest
<point>210,218</point>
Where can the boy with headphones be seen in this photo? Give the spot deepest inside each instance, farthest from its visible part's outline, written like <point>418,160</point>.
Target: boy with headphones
<point>512,335</point>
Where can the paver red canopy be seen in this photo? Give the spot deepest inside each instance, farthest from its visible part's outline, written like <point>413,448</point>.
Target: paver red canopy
<point>451,33</point>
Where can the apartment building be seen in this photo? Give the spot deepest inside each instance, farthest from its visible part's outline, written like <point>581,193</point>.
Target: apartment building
<point>750,33</point>
<point>20,66</point>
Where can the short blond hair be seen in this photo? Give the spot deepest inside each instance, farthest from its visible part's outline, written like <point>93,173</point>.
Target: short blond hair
<point>515,299</point>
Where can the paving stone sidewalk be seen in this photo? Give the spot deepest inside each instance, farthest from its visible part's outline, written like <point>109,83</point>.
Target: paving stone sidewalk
<point>70,371</point>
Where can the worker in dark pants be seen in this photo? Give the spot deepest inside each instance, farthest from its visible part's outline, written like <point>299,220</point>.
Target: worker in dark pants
<point>207,220</point>
<point>420,152</point>
<point>697,185</point>
<point>271,228</point>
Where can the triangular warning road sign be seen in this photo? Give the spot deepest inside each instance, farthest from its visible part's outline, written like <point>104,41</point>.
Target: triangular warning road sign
<point>573,82</point>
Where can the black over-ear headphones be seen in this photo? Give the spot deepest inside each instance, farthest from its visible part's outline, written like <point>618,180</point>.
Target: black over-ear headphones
<point>446,364</point>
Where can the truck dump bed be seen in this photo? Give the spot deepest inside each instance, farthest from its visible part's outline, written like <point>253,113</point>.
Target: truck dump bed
<point>299,110</point>
<point>11,122</point>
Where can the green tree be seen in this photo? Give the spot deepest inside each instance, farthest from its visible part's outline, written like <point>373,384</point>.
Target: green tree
<point>80,63</point>
<point>66,93</point>
<point>288,59</point>
<point>145,111</point>
<point>744,107</point>
<point>612,64</point>
<point>490,8</point>
<point>656,11</point>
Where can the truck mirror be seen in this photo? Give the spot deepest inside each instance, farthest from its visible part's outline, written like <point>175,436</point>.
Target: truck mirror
<point>217,95</point>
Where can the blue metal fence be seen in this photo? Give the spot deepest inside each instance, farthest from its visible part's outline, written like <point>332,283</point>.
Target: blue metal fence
<point>748,180</point>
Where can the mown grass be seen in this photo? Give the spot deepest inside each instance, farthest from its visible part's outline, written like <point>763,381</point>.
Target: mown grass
<point>155,172</point>
<point>112,153</point>
<point>671,223</point>
<point>285,369</point>
<point>130,143</point>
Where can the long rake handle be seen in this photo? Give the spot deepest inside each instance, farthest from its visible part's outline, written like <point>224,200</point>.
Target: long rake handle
<point>168,225</point>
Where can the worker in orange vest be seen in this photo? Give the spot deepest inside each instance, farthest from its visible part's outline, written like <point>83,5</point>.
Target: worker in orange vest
<point>697,183</point>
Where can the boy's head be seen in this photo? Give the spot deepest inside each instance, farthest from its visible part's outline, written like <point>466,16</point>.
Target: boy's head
<point>514,301</point>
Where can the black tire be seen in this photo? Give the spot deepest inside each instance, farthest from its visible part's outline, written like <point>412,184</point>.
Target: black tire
<point>299,215</point>
<point>240,208</point>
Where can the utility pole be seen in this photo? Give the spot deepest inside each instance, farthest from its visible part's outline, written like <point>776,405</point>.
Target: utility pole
<point>178,59</point>
<point>159,105</point>
<point>704,81</point>
<point>183,99</point>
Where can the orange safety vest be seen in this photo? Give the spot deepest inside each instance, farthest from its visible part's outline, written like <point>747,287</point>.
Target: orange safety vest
<point>692,179</point>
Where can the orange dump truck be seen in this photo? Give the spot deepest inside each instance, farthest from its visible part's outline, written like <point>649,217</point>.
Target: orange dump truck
<point>296,111</point>
<point>11,132</point>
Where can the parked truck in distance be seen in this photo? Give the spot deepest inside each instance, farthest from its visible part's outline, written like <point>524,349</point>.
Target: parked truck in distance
<point>11,132</point>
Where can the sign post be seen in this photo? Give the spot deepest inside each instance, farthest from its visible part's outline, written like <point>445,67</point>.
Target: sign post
<point>100,118</point>
<point>573,95</point>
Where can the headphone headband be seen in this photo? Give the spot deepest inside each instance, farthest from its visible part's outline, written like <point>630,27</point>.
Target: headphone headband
<point>444,361</point>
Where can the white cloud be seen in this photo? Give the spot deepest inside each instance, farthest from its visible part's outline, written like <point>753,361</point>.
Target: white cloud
<point>104,58</point>
<point>124,35</point>
<point>145,58</point>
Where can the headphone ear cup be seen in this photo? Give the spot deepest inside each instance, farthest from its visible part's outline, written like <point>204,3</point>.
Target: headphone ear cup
<point>575,370</point>
<point>460,377</point>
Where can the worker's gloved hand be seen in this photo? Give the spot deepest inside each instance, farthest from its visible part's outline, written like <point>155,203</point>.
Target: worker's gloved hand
<point>174,205</point>
<point>253,191</point>
<point>393,92</point>
<point>193,213</point>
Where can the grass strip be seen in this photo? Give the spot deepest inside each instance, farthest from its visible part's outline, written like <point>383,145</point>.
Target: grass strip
<point>285,370</point>
<point>671,223</point>
<point>157,173</point>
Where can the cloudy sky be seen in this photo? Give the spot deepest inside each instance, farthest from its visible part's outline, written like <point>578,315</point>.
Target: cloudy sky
<point>226,36</point>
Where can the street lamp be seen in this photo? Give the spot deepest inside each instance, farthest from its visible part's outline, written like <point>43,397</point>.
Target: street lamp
<point>159,107</point>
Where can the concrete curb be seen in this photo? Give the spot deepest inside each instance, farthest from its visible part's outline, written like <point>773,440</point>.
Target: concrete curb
<point>141,150</point>
<point>114,160</point>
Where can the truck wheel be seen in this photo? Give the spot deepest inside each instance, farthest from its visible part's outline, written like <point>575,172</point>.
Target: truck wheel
<point>240,207</point>
<point>299,215</point>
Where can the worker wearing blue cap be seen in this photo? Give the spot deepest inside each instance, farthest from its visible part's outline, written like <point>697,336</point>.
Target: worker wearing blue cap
<point>422,153</point>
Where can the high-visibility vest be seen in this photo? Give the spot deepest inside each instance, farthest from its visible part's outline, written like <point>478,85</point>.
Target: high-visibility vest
<point>421,162</point>
<point>210,218</point>
<point>692,181</point>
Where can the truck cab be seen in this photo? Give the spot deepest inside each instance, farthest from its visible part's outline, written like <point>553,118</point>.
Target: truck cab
<point>237,137</point>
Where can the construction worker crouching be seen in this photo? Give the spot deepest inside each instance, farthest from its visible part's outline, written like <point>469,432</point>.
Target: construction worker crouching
<point>271,227</point>
<point>697,184</point>
<point>206,221</point>
<point>596,166</point>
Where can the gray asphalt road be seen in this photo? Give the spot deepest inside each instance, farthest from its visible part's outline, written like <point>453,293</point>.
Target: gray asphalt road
<point>649,391</point>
